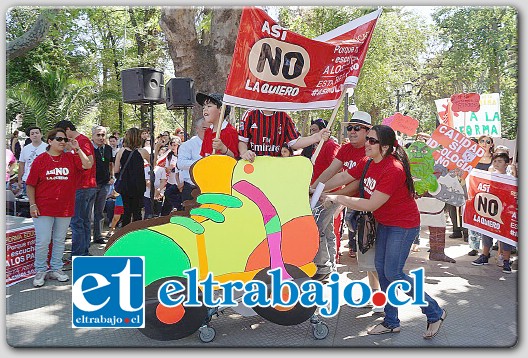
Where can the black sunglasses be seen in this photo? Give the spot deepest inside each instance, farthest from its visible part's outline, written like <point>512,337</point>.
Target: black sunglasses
<point>357,127</point>
<point>60,139</point>
<point>485,140</point>
<point>372,141</point>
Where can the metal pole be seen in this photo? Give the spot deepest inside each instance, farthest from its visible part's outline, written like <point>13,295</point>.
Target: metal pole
<point>185,123</point>
<point>152,162</point>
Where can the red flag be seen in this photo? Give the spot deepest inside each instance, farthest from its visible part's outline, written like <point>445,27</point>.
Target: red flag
<point>277,69</point>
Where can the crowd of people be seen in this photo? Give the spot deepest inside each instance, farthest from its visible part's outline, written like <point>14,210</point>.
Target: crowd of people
<point>70,180</point>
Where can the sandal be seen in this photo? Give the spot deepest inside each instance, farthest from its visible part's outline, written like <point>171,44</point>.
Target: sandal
<point>434,327</point>
<point>382,329</point>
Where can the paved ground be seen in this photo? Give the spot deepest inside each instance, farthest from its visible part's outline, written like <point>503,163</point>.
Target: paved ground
<point>482,304</point>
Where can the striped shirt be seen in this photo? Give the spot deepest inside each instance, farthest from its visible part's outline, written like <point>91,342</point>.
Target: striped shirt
<point>264,134</point>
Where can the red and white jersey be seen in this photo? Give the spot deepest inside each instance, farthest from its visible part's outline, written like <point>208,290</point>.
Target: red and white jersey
<point>264,134</point>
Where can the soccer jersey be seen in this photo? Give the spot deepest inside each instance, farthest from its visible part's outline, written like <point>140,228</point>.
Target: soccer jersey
<point>55,180</point>
<point>388,177</point>
<point>228,136</point>
<point>264,134</point>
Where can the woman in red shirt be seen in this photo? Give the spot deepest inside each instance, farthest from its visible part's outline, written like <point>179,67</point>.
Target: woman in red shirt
<point>51,186</point>
<point>389,194</point>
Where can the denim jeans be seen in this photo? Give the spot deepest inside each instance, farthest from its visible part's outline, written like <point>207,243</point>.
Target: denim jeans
<point>351,221</point>
<point>49,229</point>
<point>392,249</point>
<point>101,193</point>
<point>173,199</point>
<point>80,222</point>
<point>474,239</point>
<point>325,259</point>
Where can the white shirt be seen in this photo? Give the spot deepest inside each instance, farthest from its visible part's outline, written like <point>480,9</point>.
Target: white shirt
<point>28,155</point>
<point>188,154</point>
<point>172,176</point>
<point>159,173</point>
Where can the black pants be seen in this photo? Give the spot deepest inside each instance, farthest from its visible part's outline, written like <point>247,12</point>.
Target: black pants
<point>187,190</point>
<point>132,205</point>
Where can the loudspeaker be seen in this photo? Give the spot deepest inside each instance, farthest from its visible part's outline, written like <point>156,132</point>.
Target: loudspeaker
<point>179,93</point>
<point>142,85</point>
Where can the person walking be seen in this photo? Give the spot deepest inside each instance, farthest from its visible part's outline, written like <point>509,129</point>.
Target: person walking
<point>389,194</point>
<point>51,187</point>
<point>103,167</point>
<point>81,224</point>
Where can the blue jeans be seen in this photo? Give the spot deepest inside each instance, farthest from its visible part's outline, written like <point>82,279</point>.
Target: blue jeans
<point>325,259</point>
<point>80,222</point>
<point>49,229</point>
<point>101,193</point>
<point>392,249</point>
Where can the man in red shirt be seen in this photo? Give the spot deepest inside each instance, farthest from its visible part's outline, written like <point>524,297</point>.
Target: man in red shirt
<point>350,155</point>
<point>84,195</point>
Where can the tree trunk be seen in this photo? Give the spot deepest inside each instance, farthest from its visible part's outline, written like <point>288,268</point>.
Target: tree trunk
<point>32,38</point>
<point>207,63</point>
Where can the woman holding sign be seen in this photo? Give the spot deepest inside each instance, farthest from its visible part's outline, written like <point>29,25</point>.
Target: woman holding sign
<point>389,194</point>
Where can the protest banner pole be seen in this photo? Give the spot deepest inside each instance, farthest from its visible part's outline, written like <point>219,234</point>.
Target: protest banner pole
<point>334,113</point>
<point>220,122</point>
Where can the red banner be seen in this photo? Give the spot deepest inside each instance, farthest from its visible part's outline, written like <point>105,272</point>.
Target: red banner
<point>458,151</point>
<point>491,208</point>
<point>277,69</point>
<point>20,254</point>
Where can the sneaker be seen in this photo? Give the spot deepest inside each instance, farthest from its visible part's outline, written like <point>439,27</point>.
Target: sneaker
<point>39,279</point>
<point>58,275</point>
<point>482,260</point>
<point>473,253</point>
<point>506,267</point>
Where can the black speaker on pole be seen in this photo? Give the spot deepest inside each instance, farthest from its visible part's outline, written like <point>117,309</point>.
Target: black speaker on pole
<point>179,93</point>
<point>142,85</point>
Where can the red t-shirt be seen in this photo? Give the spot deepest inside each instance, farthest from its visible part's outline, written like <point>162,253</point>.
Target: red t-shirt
<point>229,137</point>
<point>324,158</point>
<point>55,183</point>
<point>351,156</point>
<point>265,135</point>
<point>388,177</point>
<point>87,179</point>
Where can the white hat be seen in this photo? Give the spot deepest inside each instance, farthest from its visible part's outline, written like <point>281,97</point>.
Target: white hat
<point>361,118</point>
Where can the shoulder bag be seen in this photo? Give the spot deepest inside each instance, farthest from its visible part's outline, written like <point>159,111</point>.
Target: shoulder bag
<point>366,224</point>
<point>118,185</point>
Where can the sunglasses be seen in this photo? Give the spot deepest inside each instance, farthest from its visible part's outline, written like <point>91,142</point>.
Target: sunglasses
<point>372,141</point>
<point>356,128</point>
<point>487,141</point>
<point>60,139</point>
<point>100,134</point>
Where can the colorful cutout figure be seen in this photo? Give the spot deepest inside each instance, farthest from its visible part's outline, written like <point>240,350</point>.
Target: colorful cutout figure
<point>251,217</point>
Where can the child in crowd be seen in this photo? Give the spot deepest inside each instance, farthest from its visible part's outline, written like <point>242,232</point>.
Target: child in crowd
<point>286,151</point>
<point>499,162</point>
<point>227,144</point>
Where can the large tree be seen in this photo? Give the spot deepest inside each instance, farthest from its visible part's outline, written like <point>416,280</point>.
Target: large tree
<point>201,44</point>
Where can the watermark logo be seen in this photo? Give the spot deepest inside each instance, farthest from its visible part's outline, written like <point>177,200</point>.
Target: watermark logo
<point>108,292</point>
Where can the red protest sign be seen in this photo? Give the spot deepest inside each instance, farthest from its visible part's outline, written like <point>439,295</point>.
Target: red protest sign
<point>458,151</point>
<point>491,208</point>
<point>20,254</point>
<point>277,69</point>
<point>404,124</point>
<point>387,121</point>
<point>466,102</point>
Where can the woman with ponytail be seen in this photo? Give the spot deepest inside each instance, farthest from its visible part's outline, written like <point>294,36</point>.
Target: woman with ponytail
<point>389,195</point>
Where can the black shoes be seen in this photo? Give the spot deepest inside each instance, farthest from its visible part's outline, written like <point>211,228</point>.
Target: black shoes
<point>457,235</point>
<point>473,253</point>
<point>99,241</point>
<point>320,276</point>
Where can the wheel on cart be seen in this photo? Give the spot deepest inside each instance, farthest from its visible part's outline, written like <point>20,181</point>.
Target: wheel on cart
<point>320,330</point>
<point>207,334</point>
<point>169,323</point>
<point>285,316</point>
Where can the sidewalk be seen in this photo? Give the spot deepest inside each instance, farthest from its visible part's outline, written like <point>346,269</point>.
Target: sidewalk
<point>481,301</point>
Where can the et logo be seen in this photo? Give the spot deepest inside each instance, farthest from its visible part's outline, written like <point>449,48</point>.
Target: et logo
<point>108,292</point>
